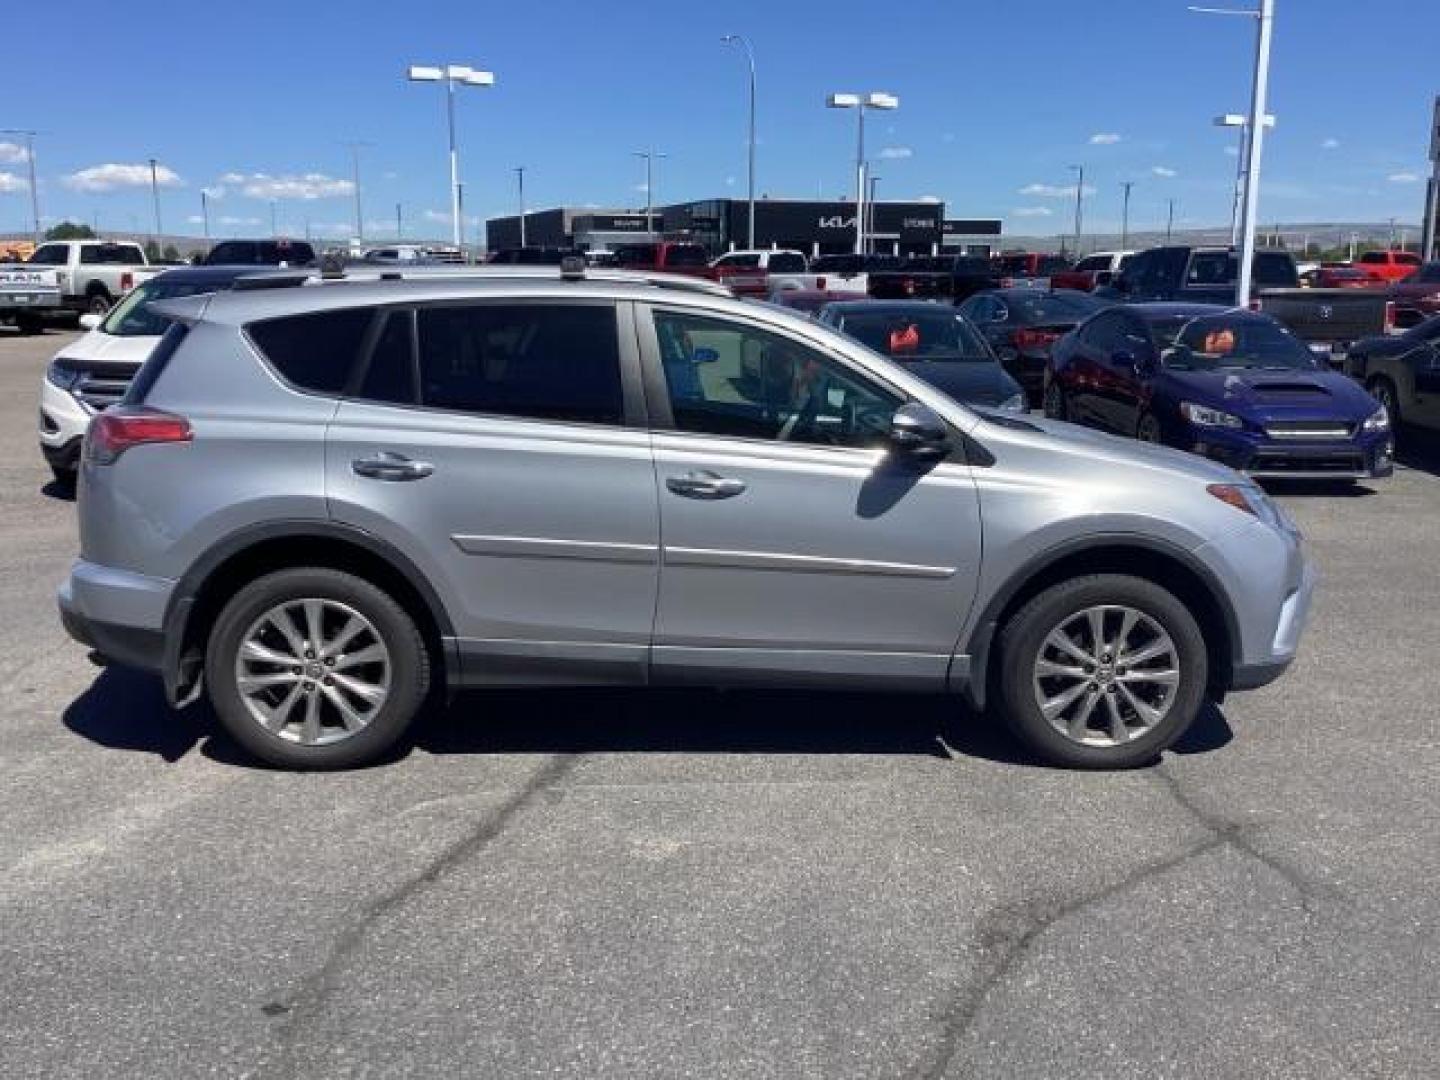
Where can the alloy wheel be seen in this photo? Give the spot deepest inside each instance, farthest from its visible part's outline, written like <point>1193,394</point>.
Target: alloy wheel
<point>313,671</point>
<point>1106,675</point>
<point>1054,402</point>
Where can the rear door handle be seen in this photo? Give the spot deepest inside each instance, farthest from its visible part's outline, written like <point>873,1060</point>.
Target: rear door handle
<point>388,465</point>
<point>704,484</point>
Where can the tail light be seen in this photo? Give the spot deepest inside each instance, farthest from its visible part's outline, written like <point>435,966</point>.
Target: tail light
<point>127,281</point>
<point>116,430</point>
<point>1034,339</point>
<point>1389,316</point>
<point>820,283</point>
<point>909,286</point>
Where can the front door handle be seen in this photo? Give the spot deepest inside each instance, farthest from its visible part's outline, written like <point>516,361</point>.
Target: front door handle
<point>705,485</point>
<point>388,465</point>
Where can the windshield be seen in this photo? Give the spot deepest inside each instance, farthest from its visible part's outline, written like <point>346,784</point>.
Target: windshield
<point>1054,307</point>
<point>132,316</point>
<point>1225,342</point>
<point>916,334</point>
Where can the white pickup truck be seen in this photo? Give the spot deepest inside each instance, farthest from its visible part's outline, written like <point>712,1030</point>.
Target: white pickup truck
<point>764,272</point>
<point>27,294</point>
<point>93,273</point>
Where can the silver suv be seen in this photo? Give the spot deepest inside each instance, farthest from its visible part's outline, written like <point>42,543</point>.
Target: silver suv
<point>326,503</point>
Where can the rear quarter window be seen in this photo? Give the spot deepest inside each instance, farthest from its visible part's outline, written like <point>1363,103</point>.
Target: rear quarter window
<point>315,351</point>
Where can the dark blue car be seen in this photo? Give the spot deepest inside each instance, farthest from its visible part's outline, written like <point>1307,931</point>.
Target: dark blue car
<point>1235,386</point>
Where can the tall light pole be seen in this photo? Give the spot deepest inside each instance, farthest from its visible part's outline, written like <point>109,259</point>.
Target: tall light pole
<point>1125,214</point>
<point>1079,171</point>
<point>29,137</point>
<point>1170,221</point>
<point>649,156</point>
<point>740,39</point>
<point>155,196</point>
<point>861,102</point>
<point>1242,123</point>
<point>520,182</point>
<point>205,213</point>
<point>1255,138</point>
<point>874,179</point>
<point>451,74</point>
<point>355,146</point>
<point>399,222</point>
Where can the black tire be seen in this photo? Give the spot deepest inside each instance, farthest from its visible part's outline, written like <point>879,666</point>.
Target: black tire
<point>65,479</point>
<point>1383,391</point>
<point>29,323</point>
<point>98,302</point>
<point>1056,405</point>
<point>409,673</point>
<point>1147,428</point>
<point>1021,644</point>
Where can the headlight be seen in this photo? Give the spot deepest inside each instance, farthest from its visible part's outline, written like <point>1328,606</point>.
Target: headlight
<point>1015,404</point>
<point>1204,416</point>
<point>1379,420</point>
<point>62,373</point>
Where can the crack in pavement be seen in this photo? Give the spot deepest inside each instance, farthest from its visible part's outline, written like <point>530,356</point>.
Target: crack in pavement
<point>1007,932</point>
<point>314,992</point>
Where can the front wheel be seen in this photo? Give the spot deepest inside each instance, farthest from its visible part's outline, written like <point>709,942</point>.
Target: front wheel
<point>1147,429</point>
<point>316,669</point>
<point>1102,672</point>
<point>98,303</point>
<point>1056,407</point>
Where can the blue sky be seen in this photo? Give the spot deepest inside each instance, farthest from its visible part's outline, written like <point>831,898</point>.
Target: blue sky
<point>253,101</point>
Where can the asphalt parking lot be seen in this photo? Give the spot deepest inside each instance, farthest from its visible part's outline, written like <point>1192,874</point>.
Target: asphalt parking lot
<point>608,884</point>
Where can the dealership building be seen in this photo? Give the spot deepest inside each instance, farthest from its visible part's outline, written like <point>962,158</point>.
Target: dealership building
<point>816,227</point>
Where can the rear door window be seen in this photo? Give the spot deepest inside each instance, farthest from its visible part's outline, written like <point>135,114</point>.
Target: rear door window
<point>50,255</point>
<point>315,351</point>
<point>541,361</point>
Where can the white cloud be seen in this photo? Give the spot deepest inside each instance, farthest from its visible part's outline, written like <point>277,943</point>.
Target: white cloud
<point>1055,191</point>
<point>308,186</point>
<point>1404,177</point>
<point>390,176</point>
<point>111,176</point>
<point>1330,144</point>
<point>1032,211</point>
<point>642,188</point>
<point>1233,151</point>
<point>437,215</point>
<point>195,219</point>
<point>10,184</point>
<point>1163,171</point>
<point>239,221</point>
<point>216,192</point>
<point>1104,138</point>
<point>949,136</point>
<point>896,153</point>
<point>932,199</point>
<point>729,181</point>
<point>232,178</point>
<point>13,154</point>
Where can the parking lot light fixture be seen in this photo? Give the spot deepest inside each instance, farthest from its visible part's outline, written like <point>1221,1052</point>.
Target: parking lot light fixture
<point>649,156</point>
<point>1242,123</point>
<point>450,75</point>
<point>744,42</point>
<point>861,102</point>
<point>1079,171</point>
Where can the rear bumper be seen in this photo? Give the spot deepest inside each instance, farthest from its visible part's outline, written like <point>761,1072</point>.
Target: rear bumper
<point>117,613</point>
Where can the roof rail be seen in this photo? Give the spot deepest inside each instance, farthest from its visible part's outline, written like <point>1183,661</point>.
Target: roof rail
<point>272,279</point>
<point>570,272</point>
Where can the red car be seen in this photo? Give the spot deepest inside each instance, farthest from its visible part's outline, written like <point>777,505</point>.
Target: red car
<point>1344,277</point>
<point>1388,265</point>
<point>669,256</point>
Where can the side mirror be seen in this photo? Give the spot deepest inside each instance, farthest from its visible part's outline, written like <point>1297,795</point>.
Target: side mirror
<point>89,321</point>
<point>917,431</point>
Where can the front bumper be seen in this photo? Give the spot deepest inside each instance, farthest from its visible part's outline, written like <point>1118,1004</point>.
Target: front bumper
<point>1360,458</point>
<point>62,418</point>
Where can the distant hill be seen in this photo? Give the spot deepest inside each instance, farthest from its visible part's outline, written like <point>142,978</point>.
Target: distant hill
<point>1293,235</point>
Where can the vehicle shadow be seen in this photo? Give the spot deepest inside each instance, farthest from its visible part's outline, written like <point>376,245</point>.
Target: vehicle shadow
<point>126,710</point>
<point>58,490</point>
<point>1419,450</point>
<point>1325,489</point>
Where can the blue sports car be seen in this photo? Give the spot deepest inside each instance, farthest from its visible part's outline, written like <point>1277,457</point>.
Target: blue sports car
<point>1233,385</point>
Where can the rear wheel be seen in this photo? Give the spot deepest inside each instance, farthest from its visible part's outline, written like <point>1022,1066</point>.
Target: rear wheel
<point>1056,407</point>
<point>98,302</point>
<point>1102,671</point>
<point>29,323</point>
<point>316,669</point>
